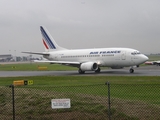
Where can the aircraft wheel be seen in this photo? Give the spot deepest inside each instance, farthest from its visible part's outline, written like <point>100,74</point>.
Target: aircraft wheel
<point>98,70</point>
<point>81,72</point>
<point>131,70</point>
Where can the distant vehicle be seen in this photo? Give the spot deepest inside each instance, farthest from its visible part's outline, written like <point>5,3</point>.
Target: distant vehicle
<point>89,59</point>
<point>152,63</point>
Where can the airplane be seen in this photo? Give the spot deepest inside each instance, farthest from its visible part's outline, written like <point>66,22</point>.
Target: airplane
<point>89,59</point>
<point>153,63</point>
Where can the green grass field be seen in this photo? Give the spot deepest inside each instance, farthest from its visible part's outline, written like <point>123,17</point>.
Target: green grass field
<point>154,57</point>
<point>126,91</point>
<point>129,82</point>
<point>122,86</point>
<point>132,82</point>
<point>130,91</point>
<point>34,67</point>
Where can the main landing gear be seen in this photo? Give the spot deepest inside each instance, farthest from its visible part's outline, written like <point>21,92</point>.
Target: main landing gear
<point>82,72</point>
<point>98,70</point>
<point>131,70</point>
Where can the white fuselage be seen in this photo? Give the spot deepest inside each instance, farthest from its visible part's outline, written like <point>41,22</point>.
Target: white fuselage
<point>109,57</point>
<point>89,59</point>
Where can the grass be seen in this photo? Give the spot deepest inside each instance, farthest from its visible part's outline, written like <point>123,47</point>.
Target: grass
<point>137,88</point>
<point>154,57</point>
<point>83,80</point>
<point>130,95</point>
<point>34,67</point>
<point>88,96</point>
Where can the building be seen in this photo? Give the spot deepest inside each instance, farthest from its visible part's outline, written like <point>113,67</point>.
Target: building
<point>5,57</point>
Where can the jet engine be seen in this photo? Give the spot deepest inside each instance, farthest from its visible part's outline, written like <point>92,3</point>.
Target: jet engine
<point>88,66</point>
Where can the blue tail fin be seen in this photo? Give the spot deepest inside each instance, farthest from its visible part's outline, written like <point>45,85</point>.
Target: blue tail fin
<point>48,41</point>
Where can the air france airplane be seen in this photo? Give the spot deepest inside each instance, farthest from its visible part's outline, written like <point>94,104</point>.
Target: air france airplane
<point>89,59</point>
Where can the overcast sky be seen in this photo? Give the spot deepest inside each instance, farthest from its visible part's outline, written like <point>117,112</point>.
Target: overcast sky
<point>80,24</point>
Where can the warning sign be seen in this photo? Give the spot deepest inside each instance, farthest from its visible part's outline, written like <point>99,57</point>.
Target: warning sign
<point>60,103</point>
<point>22,82</point>
<point>30,82</point>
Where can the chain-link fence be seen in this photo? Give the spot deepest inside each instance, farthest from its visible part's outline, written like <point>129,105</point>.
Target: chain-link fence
<point>98,101</point>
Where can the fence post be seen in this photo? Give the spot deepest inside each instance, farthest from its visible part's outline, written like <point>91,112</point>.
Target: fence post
<point>109,103</point>
<point>12,86</point>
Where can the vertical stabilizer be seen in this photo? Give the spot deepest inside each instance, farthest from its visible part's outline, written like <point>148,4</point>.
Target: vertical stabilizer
<point>48,41</point>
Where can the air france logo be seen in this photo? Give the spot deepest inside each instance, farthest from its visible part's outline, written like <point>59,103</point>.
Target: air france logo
<point>106,52</point>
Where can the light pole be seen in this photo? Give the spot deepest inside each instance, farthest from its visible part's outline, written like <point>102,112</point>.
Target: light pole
<point>15,56</point>
<point>10,55</point>
<point>9,51</point>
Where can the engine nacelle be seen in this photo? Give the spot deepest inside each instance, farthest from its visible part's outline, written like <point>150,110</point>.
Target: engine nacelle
<point>89,66</point>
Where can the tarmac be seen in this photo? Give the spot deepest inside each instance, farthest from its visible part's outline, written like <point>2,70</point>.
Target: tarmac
<point>150,70</point>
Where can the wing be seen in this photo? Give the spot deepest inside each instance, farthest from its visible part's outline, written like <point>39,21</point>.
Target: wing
<point>75,64</point>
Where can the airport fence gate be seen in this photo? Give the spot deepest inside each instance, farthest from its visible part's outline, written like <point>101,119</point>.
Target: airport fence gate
<point>98,101</point>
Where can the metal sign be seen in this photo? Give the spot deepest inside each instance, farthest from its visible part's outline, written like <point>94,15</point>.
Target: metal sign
<point>30,82</point>
<point>60,103</point>
<point>22,82</point>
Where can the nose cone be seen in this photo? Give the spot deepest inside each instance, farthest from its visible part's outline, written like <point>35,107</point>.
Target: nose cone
<point>144,58</point>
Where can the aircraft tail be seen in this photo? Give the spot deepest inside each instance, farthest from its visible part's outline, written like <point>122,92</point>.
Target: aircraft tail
<point>48,41</point>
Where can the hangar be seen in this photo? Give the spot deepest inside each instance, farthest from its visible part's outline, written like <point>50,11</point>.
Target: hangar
<point>5,57</point>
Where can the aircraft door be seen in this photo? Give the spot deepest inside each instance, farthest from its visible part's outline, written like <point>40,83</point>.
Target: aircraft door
<point>123,56</point>
<point>133,57</point>
<point>55,57</point>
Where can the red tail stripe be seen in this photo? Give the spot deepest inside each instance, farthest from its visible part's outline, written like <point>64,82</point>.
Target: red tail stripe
<point>45,44</point>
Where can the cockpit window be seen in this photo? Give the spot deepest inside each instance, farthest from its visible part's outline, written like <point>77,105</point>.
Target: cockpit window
<point>135,53</point>
<point>132,53</point>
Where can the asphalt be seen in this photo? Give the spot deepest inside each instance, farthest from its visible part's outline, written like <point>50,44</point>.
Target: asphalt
<point>150,70</point>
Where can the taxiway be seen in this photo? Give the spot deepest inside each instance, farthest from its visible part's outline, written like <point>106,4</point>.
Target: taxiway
<point>141,71</point>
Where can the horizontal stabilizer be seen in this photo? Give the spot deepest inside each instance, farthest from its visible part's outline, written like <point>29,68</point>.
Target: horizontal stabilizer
<point>37,53</point>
